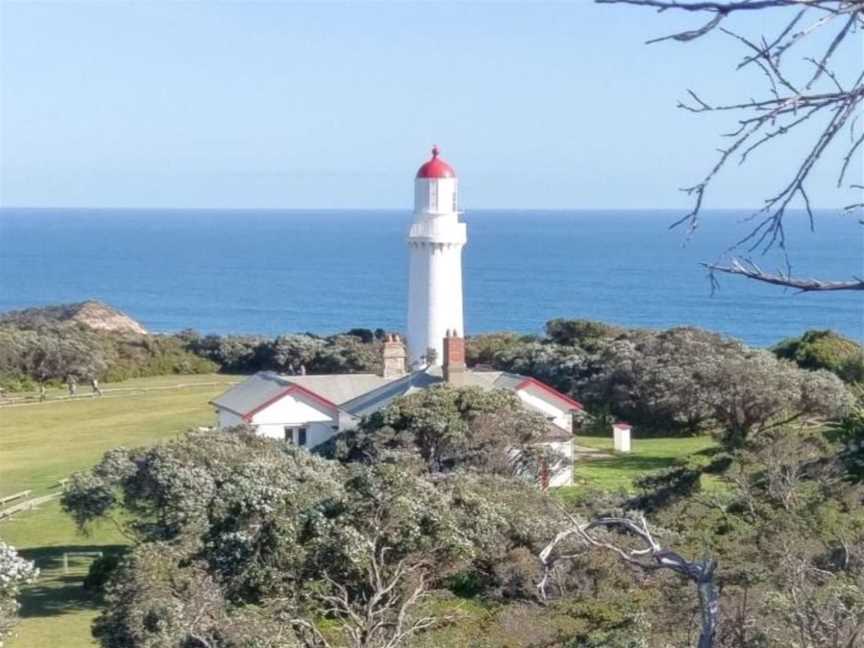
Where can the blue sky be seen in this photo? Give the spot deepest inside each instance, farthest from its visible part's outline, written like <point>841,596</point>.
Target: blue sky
<point>329,105</point>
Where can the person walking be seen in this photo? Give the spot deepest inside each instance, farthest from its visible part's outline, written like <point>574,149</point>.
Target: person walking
<point>72,384</point>
<point>94,383</point>
<point>41,392</point>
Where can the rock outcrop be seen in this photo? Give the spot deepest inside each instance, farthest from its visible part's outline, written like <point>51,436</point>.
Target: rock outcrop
<point>93,314</point>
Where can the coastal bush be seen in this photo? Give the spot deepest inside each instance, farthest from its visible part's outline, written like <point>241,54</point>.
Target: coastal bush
<point>678,381</point>
<point>482,349</point>
<point>228,523</point>
<point>14,572</point>
<point>446,429</point>
<point>242,538</point>
<point>352,352</point>
<point>825,350</point>
<point>52,351</point>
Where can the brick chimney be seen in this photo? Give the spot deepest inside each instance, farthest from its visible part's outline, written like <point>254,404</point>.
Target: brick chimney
<point>454,359</point>
<point>394,357</point>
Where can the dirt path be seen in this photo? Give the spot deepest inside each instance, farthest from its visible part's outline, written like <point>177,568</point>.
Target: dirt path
<point>110,392</point>
<point>29,505</point>
<point>584,453</point>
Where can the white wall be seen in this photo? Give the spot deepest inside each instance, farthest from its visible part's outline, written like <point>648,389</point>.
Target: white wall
<point>316,433</point>
<point>560,417</point>
<point>435,244</point>
<point>435,195</point>
<point>621,437</point>
<point>297,410</point>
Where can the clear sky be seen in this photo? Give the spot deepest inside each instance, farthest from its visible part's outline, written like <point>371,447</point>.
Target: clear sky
<point>325,105</point>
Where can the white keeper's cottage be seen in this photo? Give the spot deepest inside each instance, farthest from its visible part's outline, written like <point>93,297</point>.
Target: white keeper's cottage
<point>308,410</point>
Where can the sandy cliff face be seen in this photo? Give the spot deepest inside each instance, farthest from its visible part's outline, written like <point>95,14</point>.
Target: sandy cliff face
<point>93,314</point>
<point>102,317</point>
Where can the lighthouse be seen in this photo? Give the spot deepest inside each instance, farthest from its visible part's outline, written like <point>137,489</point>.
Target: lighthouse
<point>435,243</point>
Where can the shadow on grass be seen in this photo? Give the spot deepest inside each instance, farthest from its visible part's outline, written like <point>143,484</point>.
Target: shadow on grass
<point>634,463</point>
<point>55,593</point>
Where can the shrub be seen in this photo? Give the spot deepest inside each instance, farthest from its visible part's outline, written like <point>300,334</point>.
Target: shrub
<point>825,350</point>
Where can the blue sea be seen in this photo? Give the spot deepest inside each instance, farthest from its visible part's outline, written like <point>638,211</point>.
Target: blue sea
<point>272,271</point>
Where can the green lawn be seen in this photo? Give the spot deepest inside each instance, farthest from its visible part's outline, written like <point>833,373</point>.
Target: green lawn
<point>42,443</point>
<point>617,472</point>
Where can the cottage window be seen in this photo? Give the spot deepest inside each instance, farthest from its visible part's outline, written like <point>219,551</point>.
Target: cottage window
<point>295,435</point>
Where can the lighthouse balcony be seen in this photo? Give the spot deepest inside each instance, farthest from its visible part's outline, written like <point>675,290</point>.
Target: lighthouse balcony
<point>433,231</point>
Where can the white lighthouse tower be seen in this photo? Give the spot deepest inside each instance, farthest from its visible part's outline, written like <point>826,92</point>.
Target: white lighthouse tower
<point>435,244</point>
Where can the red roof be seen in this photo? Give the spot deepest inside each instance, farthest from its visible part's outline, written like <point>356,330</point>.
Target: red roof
<point>533,382</point>
<point>436,167</point>
<point>285,392</point>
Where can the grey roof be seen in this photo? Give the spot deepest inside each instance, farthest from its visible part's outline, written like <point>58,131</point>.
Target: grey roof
<point>260,388</point>
<point>386,394</point>
<point>252,392</point>
<point>361,394</point>
<point>339,388</point>
<point>508,380</point>
<point>381,397</point>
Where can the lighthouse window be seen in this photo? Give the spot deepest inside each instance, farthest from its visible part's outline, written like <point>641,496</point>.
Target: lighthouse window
<point>433,195</point>
<point>454,200</point>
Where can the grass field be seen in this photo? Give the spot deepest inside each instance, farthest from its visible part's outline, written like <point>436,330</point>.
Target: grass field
<point>617,472</point>
<point>41,443</point>
<point>44,442</point>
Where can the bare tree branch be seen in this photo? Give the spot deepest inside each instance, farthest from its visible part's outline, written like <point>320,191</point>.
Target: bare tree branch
<point>746,268</point>
<point>790,106</point>
<point>650,558</point>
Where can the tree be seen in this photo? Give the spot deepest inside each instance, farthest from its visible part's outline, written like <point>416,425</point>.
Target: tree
<point>452,428</point>
<point>233,530</point>
<point>657,380</point>
<point>160,598</point>
<point>690,380</point>
<point>14,572</point>
<point>586,334</point>
<point>482,349</point>
<point>651,557</point>
<point>291,352</point>
<point>825,350</point>
<point>796,98</point>
<point>748,394</point>
<point>788,533</point>
<point>561,366</point>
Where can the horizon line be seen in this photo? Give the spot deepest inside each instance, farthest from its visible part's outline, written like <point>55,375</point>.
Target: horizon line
<point>392,209</point>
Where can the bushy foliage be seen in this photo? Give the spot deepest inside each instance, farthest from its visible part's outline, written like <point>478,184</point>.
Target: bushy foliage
<point>159,598</point>
<point>848,433</point>
<point>37,349</point>
<point>100,571</point>
<point>53,351</point>
<point>788,531</point>
<point>586,334</point>
<point>14,572</point>
<point>358,351</point>
<point>481,349</point>
<point>825,350</point>
<point>449,429</point>
<point>682,380</point>
<point>229,520</point>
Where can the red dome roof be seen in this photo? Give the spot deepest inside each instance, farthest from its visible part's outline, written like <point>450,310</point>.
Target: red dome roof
<point>436,167</point>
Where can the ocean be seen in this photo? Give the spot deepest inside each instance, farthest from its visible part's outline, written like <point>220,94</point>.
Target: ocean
<point>274,271</point>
